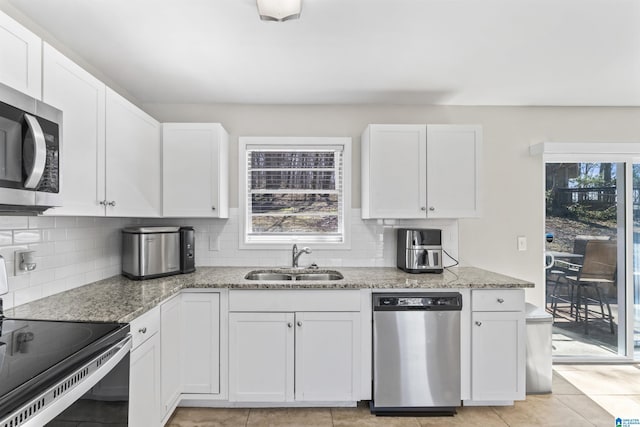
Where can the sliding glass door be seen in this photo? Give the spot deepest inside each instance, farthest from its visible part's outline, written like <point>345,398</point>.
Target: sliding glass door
<point>585,232</point>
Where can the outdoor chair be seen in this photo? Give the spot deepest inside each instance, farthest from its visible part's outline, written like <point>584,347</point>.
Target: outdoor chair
<point>589,282</point>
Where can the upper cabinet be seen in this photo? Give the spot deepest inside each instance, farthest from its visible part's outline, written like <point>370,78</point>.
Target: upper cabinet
<point>81,97</point>
<point>20,56</point>
<point>421,171</point>
<point>132,160</point>
<point>111,148</point>
<point>195,181</point>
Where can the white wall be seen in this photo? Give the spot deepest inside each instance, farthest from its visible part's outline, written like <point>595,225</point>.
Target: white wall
<point>512,184</point>
<point>70,252</point>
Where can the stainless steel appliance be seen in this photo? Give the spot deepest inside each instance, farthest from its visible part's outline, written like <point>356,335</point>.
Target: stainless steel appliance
<point>149,252</point>
<point>30,149</point>
<point>187,250</point>
<point>419,250</point>
<point>416,353</point>
<point>59,373</point>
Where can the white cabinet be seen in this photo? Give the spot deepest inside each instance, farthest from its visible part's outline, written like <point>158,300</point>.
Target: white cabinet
<point>144,376</point>
<point>303,356</point>
<point>394,171</point>
<point>261,359</point>
<point>81,97</point>
<point>498,343</point>
<point>170,373</point>
<point>195,181</point>
<point>420,171</point>
<point>200,343</point>
<point>132,160</point>
<point>20,56</point>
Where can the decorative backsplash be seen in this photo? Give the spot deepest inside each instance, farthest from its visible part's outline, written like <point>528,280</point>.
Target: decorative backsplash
<point>73,251</point>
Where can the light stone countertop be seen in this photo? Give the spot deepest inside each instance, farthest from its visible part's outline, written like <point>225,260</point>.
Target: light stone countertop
<point>122,300</point>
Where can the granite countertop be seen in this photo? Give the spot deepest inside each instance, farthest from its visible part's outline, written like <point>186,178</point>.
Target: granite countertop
<point>121,299</point>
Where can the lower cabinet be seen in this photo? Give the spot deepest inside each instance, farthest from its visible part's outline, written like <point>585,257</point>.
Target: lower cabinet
<point>498,345</point>
<point>286,357</point>
<point>170,331</point>
<point>144,387</point>
<point>144,374</point>
<point>200,343</point>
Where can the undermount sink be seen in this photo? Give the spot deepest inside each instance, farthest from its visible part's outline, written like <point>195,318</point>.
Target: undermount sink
<point>302,275</point>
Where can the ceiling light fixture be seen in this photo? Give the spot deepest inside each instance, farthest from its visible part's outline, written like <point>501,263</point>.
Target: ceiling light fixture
<point>279,10</point>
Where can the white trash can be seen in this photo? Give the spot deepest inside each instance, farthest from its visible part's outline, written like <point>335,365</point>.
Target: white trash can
<point>539,369</point>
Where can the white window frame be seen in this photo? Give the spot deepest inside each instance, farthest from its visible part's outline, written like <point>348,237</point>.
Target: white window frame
<point>249,141</point>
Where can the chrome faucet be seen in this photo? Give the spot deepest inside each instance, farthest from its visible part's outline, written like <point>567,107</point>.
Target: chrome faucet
<point>295,254</point>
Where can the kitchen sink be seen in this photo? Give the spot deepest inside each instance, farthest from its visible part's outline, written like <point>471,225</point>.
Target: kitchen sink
<point>301,275</point>
<point>333,275</point>
<point>265,275</point>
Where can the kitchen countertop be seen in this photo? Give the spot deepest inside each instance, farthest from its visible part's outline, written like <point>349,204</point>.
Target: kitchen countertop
<point>121,299</point>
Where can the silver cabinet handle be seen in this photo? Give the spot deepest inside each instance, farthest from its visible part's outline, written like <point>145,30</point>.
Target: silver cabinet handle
<point>103,203</point>
<point>112,203</point>
<point>500,300</point>
<point>478,323</point>
<point>431,208</point>
<point>290,325</point>
<point>143,330</point>
<point>299,323</point>
<point>213,208</point>
<point>39,153</point>
<point>424,208</point>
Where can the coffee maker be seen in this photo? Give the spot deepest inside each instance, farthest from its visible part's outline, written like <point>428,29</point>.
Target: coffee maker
<point>419,250</point>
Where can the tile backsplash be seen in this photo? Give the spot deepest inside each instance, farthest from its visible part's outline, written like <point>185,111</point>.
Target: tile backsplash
<point>73,251</point>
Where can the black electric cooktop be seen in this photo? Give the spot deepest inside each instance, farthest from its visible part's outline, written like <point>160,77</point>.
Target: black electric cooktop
<point>35,353</point>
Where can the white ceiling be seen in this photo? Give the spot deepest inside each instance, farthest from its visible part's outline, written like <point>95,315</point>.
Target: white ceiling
<point>451,52</point>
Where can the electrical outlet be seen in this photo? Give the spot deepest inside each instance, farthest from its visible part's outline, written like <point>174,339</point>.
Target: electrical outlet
<point>522,243</point>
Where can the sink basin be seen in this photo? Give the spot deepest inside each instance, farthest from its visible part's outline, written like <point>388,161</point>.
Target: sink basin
<point>258,275</point>
<point>302,275</point>
<point>333,275</point>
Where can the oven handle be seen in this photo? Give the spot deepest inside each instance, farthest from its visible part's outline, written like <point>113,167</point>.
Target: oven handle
<point>39,154</point>
<point>74,392</point>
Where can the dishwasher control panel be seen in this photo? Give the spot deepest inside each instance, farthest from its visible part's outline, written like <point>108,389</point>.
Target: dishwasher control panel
<point>417,301</point>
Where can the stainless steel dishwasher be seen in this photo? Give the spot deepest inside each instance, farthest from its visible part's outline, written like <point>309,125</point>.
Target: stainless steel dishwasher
<point>416,353</point>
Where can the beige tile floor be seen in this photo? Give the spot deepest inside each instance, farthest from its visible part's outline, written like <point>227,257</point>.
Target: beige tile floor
<point>583,395</point>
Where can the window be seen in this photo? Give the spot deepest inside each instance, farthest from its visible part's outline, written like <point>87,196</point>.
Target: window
<point>295,189</point>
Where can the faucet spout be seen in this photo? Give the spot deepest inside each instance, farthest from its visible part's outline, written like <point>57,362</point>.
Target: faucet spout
<point>295,254</point>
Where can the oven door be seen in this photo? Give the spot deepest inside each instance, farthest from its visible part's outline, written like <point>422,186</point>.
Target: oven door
<point>95,393</point>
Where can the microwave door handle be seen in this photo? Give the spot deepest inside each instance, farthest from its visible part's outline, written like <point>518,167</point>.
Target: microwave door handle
<point>40,152</point>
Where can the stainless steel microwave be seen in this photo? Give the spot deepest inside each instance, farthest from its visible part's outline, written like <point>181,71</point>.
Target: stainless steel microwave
<point>30,147</point>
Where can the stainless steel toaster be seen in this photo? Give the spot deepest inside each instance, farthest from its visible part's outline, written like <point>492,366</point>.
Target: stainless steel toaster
<point>419,250</point>
<point>149,252</point>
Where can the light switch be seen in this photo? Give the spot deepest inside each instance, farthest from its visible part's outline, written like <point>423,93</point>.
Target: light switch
<point>522,243</point>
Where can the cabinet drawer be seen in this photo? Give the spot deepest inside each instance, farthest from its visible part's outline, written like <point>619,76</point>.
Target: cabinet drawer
<point>145,326</point>
<point>497,300</point>
<point>294,300</point>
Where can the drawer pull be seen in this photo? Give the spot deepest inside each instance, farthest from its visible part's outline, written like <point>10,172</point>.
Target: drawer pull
<point>290,325</point>
<point>500,300</point>
<point>478,323</point>
<point>143,330</point>
<point>299,323</point>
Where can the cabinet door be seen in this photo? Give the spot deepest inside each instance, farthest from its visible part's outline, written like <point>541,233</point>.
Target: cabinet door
<point>20,55</point>
<point>261,359</point>
<point>132,161</point>
<point>194,170</point>
<point>497,356</point>
<point>170,328</point>
<point>144,386</point>
<point>81,97</point>
<point>394,171</point>
<point>327,356</point>
<point>200,344</point>
<point>453,160</point>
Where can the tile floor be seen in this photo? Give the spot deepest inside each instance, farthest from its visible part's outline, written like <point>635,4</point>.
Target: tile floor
<point>583,395</point>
